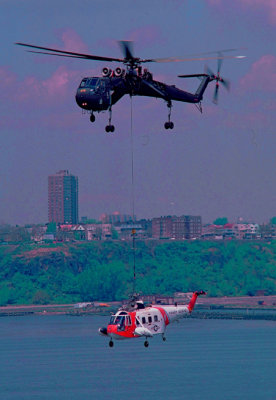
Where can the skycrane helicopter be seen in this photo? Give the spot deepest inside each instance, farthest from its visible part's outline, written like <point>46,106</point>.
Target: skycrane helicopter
<point>135,320</point>
<point>96,94</point>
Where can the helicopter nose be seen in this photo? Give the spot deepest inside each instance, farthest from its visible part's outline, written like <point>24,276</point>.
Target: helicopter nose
<point>103,331</point>
<point>112,329</point>
<point>82,99</point>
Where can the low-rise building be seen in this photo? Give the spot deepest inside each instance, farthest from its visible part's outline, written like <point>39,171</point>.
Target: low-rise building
<point>178,228</point>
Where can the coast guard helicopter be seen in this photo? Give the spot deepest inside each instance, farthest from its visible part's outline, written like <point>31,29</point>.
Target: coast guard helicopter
<point>96,94</point>
<point>135,320</point>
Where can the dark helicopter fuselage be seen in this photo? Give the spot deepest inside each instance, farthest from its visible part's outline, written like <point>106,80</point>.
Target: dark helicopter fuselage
<point>100,93</point>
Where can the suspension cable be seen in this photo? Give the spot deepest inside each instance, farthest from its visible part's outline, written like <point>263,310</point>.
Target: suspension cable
<point>133,232</point>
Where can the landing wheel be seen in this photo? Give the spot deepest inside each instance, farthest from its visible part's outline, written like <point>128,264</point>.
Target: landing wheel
<point>111,344</point>
<point>146,344</point>
<point>110,128</point>
<point>169,125</point>
<point>92,118</point>
<point>164,338</point>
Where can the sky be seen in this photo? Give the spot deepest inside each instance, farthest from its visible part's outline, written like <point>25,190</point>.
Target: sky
<point>220,163</point>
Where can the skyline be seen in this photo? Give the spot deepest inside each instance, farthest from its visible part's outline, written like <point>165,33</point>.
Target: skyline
<point>220,163</point>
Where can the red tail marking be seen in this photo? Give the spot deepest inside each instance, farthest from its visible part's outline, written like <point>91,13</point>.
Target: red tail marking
<point>193,300</point>
<point>164,314</point>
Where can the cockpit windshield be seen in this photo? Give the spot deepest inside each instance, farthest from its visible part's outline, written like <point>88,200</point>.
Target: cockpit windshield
<point>117,320</point>
<point>89,82</point>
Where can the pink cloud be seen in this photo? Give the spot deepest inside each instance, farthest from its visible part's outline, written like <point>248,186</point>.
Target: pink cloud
<point>262,75</point>
<point>269,6</point>
<point>146,35</point>
<point>73,42</point>
<point>52,97</point>
<point>7,78</point>
<point>61,83</point>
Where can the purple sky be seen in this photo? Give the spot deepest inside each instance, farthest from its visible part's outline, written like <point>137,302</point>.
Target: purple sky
<point>220,163</point>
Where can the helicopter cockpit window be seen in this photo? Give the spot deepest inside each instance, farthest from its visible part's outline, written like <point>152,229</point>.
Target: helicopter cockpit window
<point>92,83</point>
<point>117,320</point>
<point>89,82</point>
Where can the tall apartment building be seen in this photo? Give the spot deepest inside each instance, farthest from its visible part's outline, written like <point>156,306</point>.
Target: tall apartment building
<point>179,228</point>
<point>63,198</point>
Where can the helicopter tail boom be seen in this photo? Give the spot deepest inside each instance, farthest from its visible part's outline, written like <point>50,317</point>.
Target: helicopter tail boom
<point>194,298</point>
<point>202,87</point>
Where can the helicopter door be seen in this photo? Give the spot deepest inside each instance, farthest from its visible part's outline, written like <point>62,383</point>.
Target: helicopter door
<point>120,323</point>
<point>127,323</point>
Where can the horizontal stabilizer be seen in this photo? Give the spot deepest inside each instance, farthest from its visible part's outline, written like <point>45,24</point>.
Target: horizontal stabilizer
<point>191,75</point>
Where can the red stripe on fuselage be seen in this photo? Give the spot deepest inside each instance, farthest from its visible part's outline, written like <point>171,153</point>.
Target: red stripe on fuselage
<point>129,329</point>
<point>164,314</point>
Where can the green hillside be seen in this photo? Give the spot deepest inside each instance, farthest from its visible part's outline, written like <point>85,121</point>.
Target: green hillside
<point>103,270</point>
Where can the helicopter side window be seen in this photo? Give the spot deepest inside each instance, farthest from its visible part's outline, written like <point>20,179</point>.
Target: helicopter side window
<point>112,320</point>
<point>143,320</point>
<point>137,322</point>
<point>150,320</point>
<point>120,321</point>
<point>83,83</point>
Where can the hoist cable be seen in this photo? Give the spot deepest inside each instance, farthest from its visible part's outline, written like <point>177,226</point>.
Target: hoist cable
<point>132,193</point>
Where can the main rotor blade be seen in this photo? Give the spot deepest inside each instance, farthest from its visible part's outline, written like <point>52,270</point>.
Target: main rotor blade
<point>215,52</point>
<point>189,59</point>
<point>127,49</point>
<point>54,54</point>
<point>71,53</point>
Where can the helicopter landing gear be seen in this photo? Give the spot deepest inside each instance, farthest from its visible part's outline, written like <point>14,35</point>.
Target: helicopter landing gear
<point>169,124</point>
<point>146,344</point>
<point>92,117</point>
<point>109,127</point>
<point>164,338</point>
<point>111,344</point>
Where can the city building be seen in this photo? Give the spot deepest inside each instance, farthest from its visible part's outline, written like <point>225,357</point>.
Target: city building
<point>116,218</point>
<point>63,198</point>
<point>178,228</point>
<point>186,227</point>
<point>162,227</point>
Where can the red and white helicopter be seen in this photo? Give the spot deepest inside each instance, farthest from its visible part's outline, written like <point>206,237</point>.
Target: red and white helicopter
<point>137,320</point>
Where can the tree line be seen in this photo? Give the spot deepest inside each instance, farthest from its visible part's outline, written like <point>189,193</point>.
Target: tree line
<point>91,271</point>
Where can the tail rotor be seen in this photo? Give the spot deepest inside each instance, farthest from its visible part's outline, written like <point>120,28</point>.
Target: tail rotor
<point>217,77</point>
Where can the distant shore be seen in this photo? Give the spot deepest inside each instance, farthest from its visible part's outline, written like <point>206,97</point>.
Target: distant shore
<point>246,307</point>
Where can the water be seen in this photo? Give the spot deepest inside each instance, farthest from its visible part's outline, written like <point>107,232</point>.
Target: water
<point>62,357</point>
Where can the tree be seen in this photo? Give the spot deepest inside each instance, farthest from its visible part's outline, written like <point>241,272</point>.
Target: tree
<point>51,227</point>
<point>220,221</point>
<point>41,297</point>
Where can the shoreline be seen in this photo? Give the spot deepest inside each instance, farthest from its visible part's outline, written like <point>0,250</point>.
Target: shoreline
<point>245,307</point>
